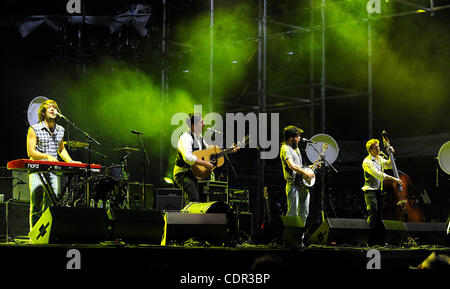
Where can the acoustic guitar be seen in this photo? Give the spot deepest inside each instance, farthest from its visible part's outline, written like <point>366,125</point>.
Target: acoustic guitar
<point>214,155</point>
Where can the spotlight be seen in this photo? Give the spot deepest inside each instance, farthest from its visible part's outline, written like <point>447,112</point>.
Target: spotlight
<point>168,180</point>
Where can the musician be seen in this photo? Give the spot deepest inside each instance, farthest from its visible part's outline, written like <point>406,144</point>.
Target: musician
<point>297,194</point>
<point>190,141</point>
<point>374,166</point>
<point>45,142</point>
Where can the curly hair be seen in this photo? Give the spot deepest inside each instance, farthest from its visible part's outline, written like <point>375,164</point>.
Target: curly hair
<point>43,109</point>
<point>291,131</point>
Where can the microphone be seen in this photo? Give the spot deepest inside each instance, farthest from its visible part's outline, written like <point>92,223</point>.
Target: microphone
<point>59,114</point>
<point>136,132</point>
<point>307,140</point>
<point>213,130</point>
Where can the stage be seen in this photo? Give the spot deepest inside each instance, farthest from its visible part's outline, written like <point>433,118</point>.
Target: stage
<point>195,258</point>
<point>127,104</point>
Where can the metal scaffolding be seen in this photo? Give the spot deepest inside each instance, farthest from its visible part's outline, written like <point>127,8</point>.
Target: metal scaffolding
<point>311,102</point>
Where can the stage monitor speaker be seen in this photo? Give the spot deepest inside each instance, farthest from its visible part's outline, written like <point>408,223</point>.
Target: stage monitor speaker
<point>428,233</point>
<point>204,227</point>
<point>137,226</point>
<point>214,207</point>
<point>284,229</point>
<point>341,231</point>
<point>395,232</point>
<point>59,225</point>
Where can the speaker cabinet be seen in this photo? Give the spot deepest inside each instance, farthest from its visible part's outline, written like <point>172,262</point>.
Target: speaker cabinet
<point>140,196</point>
<point>341,231</point>
<point>14,219</point>
<point>284,229</point>
<point>137,226</point>
<point>59,225</point>
<point>206,227</point>
<point>168,199</point>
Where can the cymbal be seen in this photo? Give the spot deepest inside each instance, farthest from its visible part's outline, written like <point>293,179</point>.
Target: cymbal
<point>126,148</point>
<point>76,144</point>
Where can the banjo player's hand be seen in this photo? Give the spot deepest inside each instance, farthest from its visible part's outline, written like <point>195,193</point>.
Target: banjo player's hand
<point>310,175</point>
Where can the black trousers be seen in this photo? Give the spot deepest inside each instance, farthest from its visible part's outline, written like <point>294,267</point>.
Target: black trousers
<point>374,203</point>
<point>189,186</point>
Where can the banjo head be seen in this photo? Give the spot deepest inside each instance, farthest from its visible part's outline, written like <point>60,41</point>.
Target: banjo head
<point>331,153</point>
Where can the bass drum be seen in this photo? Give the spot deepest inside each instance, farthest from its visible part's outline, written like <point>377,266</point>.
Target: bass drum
<point>206,208</point>
<point>117,172</point>
<point>107,188</point>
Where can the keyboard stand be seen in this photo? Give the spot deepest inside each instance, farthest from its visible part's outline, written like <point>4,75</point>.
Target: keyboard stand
<point>48,188</point>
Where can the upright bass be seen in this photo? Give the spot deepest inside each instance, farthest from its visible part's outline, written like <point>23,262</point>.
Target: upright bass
<point>401,202</point>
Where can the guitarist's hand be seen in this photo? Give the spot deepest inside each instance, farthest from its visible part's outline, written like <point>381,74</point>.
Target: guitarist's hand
<point>235,148</point>
<point>208,165</point>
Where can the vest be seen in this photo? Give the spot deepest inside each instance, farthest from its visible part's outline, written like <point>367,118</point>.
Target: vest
<point>180,161</point>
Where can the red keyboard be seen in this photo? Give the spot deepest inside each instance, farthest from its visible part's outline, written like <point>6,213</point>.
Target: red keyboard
<point>43,166</point>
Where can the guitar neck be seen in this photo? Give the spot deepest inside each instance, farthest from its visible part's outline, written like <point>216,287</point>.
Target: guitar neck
<point>314,166</point>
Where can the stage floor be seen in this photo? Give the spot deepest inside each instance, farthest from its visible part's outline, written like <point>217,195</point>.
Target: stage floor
<point>190,257</point>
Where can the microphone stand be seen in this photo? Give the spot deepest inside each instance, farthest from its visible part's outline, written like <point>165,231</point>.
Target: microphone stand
<point>322,176</point>
<point>231,165</point>
<point>143,165</point>
<point>90,140</point>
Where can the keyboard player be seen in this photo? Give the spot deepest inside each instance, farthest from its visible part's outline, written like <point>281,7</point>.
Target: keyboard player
<point>45,142</point>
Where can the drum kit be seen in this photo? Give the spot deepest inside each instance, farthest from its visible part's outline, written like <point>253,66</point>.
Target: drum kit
<point>110,187</point>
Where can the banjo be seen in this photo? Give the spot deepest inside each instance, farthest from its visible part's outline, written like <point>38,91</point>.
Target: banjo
<point>309,182</point>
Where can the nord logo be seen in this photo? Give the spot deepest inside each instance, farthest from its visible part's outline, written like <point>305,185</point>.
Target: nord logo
<point>33,166</point>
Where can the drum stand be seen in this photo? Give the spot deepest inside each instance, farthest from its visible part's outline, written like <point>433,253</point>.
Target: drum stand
<point>124,166</point>
<point>145,159</point>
